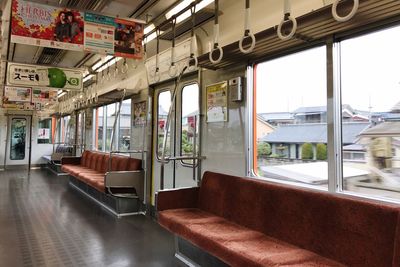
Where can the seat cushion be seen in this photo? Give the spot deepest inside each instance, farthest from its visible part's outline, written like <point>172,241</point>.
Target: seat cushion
<point>234,244</point>
<point>73,170</point>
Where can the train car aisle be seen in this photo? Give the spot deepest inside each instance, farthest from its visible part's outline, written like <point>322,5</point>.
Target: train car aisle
<point>45,223</point>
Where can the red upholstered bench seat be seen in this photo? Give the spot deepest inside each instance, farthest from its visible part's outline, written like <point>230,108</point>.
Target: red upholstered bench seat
<point>92,166</point>
<point>248,222</point>
<point>241,245</point>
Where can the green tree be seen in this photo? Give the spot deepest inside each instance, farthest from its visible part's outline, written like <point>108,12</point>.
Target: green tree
<point>187,147</point>
<point>321,152</point>
<point>307,151</point>
<point>263,149</point>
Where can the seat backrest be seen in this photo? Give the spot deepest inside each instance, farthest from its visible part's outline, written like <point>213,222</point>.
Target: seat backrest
<point>350,230</point>
<point>84,157</point>
<point>119,163</point>
<point>134,164</point>
<point>96,161</point>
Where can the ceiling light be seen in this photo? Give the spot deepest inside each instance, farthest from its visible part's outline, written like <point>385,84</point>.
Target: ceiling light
<point>87,78</point>
<point>187,13</point>
<point>101,62</point>
<point>149,28</point>
<point>178,8</point>
<point>62,94</point>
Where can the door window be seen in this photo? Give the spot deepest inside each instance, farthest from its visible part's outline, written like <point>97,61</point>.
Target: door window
<point>164,103</point>
<point>18,133</point>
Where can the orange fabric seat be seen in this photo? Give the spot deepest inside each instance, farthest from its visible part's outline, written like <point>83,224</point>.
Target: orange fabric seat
<point>93,166</point>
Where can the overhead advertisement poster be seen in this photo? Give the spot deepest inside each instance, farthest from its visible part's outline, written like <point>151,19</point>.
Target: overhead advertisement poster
<point>99,33</point>
<point>217,102</point>
<point>44,95</point>
<point>17,94</point>
<point>128,39</point>
<point>42,25</point>
<point>44,76</point>
<point>17,98</point>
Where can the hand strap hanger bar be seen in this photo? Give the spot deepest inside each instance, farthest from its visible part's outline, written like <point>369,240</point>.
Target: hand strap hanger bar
<point>157,75</point>
<point>216,46</point>
<point>173,70</point>
<point>247,33</point>
<point>287,17</point>
<point>193,44</point>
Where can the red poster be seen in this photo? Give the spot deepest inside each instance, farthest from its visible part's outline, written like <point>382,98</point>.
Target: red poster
<point>128,39</point>
<point>42,25</point>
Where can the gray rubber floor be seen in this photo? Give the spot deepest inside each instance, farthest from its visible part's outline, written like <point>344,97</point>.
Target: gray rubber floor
<point>43,222</point>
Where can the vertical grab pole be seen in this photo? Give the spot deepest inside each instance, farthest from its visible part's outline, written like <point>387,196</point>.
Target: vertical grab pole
<point>116,119</point>
<point>166,128</point>
<point>194,147</point>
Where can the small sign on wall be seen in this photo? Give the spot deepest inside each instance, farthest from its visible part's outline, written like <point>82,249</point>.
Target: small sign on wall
<point>139,113</point>
<point>217,102</point>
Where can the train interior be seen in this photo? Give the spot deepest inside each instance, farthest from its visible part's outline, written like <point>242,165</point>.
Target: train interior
<point>200,133</point>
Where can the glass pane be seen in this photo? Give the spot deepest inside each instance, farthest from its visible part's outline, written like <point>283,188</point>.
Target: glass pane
<point>371,113</point>
<point>164,103</point>
<point>18,134</point>
<point>99,131</point>
<point>125,125</point>
<point>111,114</point>
<point>190,110</point>
<point>44,131</point>
<point>68,131</point>
<point>291,128</point>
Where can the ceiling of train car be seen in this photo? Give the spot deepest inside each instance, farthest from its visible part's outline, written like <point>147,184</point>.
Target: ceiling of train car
<point>147,10</point>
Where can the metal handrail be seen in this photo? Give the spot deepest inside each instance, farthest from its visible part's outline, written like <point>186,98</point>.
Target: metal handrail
<point>127,152</point>
<point>168,159</point>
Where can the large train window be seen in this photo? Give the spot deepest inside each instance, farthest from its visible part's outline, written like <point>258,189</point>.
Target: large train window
<point>98,128</point>
<point>111,110</point>
<point>124,129</point>
<point>291,118</point>
<point>65,130</point>
<point>18,133</point>
<point>164,103</point>
<point>370,89</point>
<point>189,118</point>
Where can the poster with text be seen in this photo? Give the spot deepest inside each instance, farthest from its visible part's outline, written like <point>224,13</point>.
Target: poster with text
<point>44,76</point>
<point>43,25</point>
<point>128,39</point>
<point>43,133</point>
<point>217,102</point>
<point>44,96</point>
<point>17,94</point>
<point>99,33</point>
<point>139,113</point>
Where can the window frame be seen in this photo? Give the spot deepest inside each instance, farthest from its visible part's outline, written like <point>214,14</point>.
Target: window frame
<point>197,129</point>
<point>252,117</point>
<point>157,119</point>
<point>334,115</point>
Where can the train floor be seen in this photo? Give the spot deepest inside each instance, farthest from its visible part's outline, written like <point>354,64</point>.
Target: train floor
<point>44,222</point>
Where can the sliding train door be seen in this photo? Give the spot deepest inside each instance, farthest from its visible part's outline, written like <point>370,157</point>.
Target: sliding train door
<point>182,139</point>
<point>18,140</point>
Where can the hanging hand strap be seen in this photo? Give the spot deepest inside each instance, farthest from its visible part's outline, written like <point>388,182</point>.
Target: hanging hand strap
<point>287,17</point>
<point>247,33</point>
<point>173,70</point>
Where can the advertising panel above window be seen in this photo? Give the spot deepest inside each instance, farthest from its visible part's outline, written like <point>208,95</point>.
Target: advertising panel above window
<point>44,76</point>
<point>62,28</point>
<point>42,25</point>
